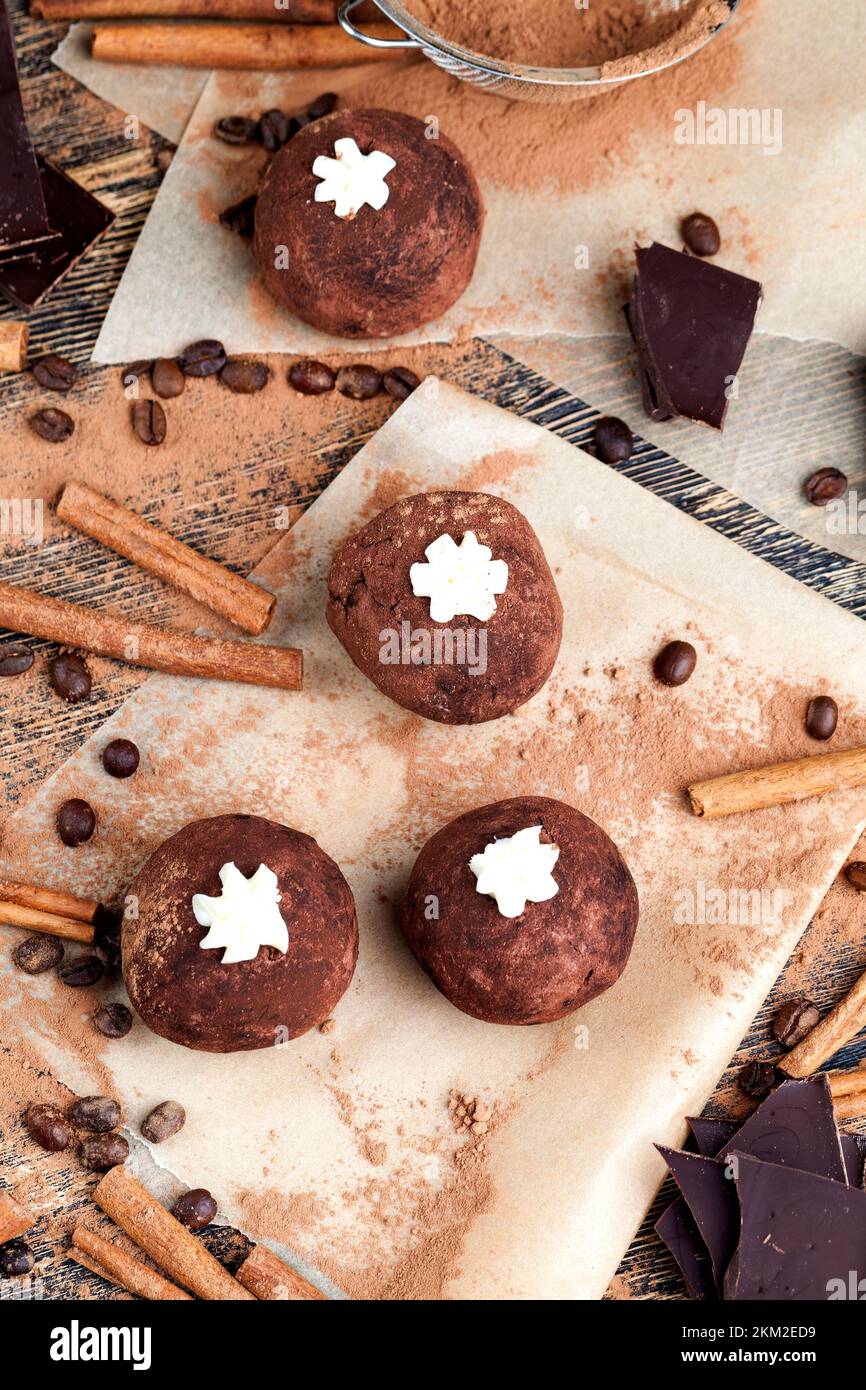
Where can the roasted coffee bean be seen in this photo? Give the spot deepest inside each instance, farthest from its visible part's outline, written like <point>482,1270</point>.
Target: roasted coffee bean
<point>81,972</point>
<point>360,381</point>
<point>245,378</point>
<point>16,1257</point>
<point>195,1209</point>
<point>700,234</point>
<point>98,1114</point>
<point>204,358</point>
<point>241,217</point>
<point>107,928</point>
<point>855,872</point>
<point>113,1020</point>
<point>796,1018</point>
<point>757,1078</point>
<point>229,1246</point>
<point>76,822</point>
<point>675,663</point>
<point>400,382</point>
<point>614,440</point>
<point>276,129</point>
<point>166,378</point>
<point>55,373</point>
<point>52,425</point>
<point>165,1120</point>
<point>48,1125</point>
<point>36,954</point>
<point>70,677</point>
<point>134,371</point>
<point>148,421</point>
<point>120,757</point>
<point>825,486</point>
<point>310,377</point>
<point>100,1152</point>
<point>14,661</point>
<point>822,716</point>
<point>163,159</point>
<point>236,130</point>
<point>322,106</point>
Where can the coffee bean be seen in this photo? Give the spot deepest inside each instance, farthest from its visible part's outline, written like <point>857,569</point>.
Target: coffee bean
<point>55,373</point>
<point>52,425</point>
<point>120,757</point>
<point>310,377</point>
<point>16,1257</point>
<point>81,972</point>
<point>796,1018</point>
<point>100,1152</point>
<point>855,872</point>
<point>236,130</point>
<point>276,129</point>
<point>204,358</point>
<point>360,381</point>
<point>134,371</point>
<point>167,378</point>
<point>245,378</point>
<point>700,234</point>
<point>675,663</point>
<point>107,927</point>
<point>98,1114</point>
<point>148,421</point>
<point>241,217</point>
<point>76,822</point>
<point>195,1209</point>
<point>757,1078</point>
<point>70,677</point>
<point>36,954</point>
<point>163,1122</point>
<point>163,159</point>
<point>322,106</point>
<point>613,439</point>
<point>825,486</point>
<point>822,716</point>
<point>48,1125</point>
<point>400,382</point>
<point>14,661</point>
<point>113,1020</point>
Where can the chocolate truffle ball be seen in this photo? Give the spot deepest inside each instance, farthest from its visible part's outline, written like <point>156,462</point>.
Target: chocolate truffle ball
<point>558,954</point>
<point>383,271</point>
<point>186,993</point>
<point>466,670</point>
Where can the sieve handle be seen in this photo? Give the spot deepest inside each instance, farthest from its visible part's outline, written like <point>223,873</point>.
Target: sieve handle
<point>343,16</point>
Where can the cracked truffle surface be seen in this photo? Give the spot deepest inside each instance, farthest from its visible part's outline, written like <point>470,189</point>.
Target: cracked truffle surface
<point>558,954</point>
<point>373,611</point>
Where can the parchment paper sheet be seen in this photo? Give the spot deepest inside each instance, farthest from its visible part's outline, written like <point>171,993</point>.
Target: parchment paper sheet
<point>795,220</point>
<point>572,1165</point>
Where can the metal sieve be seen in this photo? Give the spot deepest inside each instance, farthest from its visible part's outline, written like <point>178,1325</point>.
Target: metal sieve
<point>511,80</point>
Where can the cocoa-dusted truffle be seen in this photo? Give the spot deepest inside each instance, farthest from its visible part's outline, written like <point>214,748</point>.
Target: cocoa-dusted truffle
<point>190,994</point>
<point>559,952</point>
<point>465,669</point>
<point>383,271</point>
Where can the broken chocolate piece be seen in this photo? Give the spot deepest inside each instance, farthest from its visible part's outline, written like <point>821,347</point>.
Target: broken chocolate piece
<point>23,214</point>
<point>691,321</point>
<point>854,1156</point>
<point>79,219</point>
<point>676,1228</point>
<point>711,1135</point>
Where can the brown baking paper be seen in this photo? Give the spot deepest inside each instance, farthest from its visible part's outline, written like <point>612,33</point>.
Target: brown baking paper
<point>341,1144</point>
<point>556,259</point>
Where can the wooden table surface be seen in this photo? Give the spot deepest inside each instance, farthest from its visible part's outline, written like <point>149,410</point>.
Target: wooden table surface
<point>730,483</point>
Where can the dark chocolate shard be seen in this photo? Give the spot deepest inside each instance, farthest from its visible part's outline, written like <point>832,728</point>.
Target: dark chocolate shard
<point>707,1187</point>
<point>803,1237</point>
<point>23,214</point>
<point>692,321</point>
<point>80,219</point>
<point>676,1228</point>
<point>854,1154</point>
<point>711,1134</point>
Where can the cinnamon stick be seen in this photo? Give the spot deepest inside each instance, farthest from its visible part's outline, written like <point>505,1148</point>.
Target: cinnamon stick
<point>48,900</point>
<point>105,1258</point>
<point>269,1278</point>
<point>779,783</point>
<point>141,644</point>
<point>13,346</point>
<point>848,1089</point>
<point>290,12</point>
<point>256,47</point>
<point>15,1218</point>
<point>164,1239</point>
<point>14,915</point>
<point>123,530</point>
<point>841,1024</point>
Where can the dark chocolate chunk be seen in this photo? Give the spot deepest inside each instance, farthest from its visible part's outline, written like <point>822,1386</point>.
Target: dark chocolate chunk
<point>677,1229</point>
<point>120,757</point>
<point>854,1158</point>
<point>711,1135</point>
<point>76,821</point>
<point>23,214</point>
<point>757,1079</point>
